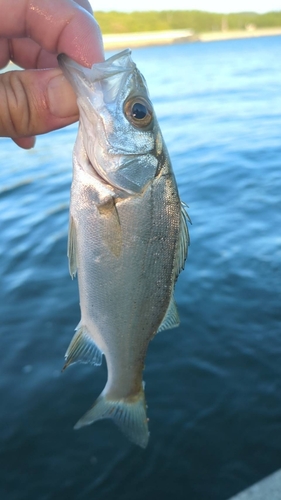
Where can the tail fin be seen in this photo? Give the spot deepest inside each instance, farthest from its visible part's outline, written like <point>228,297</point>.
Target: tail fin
<point>128,413</point>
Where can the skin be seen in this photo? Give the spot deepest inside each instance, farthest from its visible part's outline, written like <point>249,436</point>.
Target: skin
<point>32,34</point>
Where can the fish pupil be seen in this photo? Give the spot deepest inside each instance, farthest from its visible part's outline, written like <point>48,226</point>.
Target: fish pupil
<point>139,111</point>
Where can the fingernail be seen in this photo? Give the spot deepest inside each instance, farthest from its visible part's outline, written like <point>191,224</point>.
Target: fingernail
<point>25,142</point>
<point>61,97</point>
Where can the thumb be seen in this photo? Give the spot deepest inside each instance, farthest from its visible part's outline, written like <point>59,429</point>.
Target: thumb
<point>34,102</point>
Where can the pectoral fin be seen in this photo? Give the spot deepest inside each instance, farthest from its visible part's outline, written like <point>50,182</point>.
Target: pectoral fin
<point>72,248</point>
<point>113,234</point>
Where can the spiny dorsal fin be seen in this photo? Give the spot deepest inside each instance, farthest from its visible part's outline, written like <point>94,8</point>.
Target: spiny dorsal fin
<point>184,241</point>
<point>82,349</point>
<point>71,248</point>
<point>171,318</point>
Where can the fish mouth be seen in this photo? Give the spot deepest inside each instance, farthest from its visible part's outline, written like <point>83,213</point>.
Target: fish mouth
<point>81,77</point>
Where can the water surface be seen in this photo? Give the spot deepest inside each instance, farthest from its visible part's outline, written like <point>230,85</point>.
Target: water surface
<point>213,385</point>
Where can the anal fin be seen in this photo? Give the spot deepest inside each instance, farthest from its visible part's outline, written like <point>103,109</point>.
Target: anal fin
<point>82,349</point>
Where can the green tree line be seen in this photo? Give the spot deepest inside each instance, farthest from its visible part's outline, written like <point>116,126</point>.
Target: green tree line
<point>122,22</point>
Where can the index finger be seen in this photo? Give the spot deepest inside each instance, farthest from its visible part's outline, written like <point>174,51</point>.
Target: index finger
<point>56,26</point>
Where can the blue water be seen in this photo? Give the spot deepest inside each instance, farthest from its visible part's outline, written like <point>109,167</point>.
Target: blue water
<point>213,385</point>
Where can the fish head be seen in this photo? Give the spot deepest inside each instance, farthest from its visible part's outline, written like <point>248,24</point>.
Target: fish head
<point>120,132</point>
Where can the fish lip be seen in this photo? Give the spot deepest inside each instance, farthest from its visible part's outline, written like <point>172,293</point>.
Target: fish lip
<point>102,69</point>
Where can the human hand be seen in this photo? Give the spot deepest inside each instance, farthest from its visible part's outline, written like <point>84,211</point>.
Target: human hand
<point>32,34</point>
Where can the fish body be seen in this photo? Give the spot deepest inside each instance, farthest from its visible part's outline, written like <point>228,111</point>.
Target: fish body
<point>128,234</point>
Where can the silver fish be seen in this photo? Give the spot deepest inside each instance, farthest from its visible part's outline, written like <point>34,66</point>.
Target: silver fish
<point>128,235</point>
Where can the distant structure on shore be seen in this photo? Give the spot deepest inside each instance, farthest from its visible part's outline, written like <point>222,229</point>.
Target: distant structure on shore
<point>125,40</point>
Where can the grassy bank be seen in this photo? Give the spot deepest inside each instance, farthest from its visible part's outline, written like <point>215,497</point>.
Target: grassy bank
<point>198,21</point>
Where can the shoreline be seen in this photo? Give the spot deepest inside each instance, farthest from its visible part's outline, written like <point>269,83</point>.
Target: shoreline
<point>151,38</point>
<point>235,34</point>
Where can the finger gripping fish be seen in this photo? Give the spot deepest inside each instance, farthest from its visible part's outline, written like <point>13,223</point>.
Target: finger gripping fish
<point>128,235</point>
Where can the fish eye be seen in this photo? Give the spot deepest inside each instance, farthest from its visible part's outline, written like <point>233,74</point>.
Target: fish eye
<point>138,111</point>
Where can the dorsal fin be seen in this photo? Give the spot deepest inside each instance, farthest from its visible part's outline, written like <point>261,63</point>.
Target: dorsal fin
<point>184,241</point>
<point>171,318</point>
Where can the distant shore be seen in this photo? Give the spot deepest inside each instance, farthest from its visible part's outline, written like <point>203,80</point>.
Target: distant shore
<point>146,39</point>
<point>232,34</point>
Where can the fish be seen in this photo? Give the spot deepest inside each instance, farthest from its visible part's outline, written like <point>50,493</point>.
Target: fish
<point>128,235</point>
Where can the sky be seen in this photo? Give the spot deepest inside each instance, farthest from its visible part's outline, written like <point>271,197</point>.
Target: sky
<point>223,6</point>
